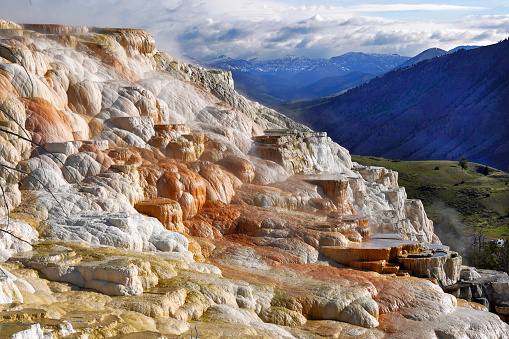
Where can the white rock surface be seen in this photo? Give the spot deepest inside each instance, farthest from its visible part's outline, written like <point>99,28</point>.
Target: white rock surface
<point>118,229</point>
<point>33,332</point>
<point>272,330</point>
<point>232,314</point>
<point>43,179</point>
<point>79,166</point>
<point>247,317</point>
<point>422,226</point>
<point>53,162</point>
<point>330,157</point>
<point>170,325</point>
<point>10,287</point>
<point>9,292</point>
<point>380,175</point>
<point>103,277</point>
<point>117,194</point>
<point>12,196</point>
<point>65,147</point>
<point>141,126</point>
<point>27,84</point>
<point>468,273</point>
<point>120,137</point>
<point>389,209</point>
<point>10,244</point>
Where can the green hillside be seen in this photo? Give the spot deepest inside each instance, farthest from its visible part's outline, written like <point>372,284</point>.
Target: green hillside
<point>458,201</point>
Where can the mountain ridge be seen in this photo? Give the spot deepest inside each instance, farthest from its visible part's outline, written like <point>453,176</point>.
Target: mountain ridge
<point>291,78</point>
<point>424,55</point>
<point>431,53</point>
<point>295,78</point>
<point>352,61</point>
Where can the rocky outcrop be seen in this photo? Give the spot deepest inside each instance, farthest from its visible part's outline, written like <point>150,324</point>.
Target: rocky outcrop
<point>167,211</point>
<point>486,287</point>
<point>301,152</point>
<point>162,200</point>
<point>392,254</point>
<point>176,141</point>
<point>119,230</point>
<point>380,175</point>
<point>380,197</point>
<point>443,266</point>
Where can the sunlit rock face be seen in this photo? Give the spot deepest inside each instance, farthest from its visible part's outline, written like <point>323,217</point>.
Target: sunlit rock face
<point>380,175</point>
<point>388,206</point>
<point>164,200</point>
<point>167,211</point>
<point>302,152</point>
<point>241,168</point>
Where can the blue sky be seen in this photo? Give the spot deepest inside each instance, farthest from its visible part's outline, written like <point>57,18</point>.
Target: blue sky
<point>274,28</point>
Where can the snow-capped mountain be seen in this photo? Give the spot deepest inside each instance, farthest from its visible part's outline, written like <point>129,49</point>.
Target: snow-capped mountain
<point>291,65</point>
<point>278,81</point>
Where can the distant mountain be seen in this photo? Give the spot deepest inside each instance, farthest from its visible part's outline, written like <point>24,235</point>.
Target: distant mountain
<point>426,55</point>
<point>291,78</point>
<point>432,53</point>
<point>466,48</point>
<point>368,63</point>
<point>286,67</point>
<point>306,70</point>
<point>446,108</point>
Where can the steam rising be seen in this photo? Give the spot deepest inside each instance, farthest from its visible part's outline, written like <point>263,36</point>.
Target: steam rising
<point>449,228</point>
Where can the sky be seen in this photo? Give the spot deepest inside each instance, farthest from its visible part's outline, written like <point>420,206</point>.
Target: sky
<point>245,29</point>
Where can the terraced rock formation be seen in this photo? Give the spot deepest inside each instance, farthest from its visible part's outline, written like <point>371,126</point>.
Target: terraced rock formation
<point>159,202</point>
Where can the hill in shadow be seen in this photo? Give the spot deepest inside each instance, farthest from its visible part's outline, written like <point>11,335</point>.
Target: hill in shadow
<point>447,108</point>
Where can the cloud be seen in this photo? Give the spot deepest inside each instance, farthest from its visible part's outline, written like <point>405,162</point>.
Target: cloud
<point>274,28</point>
<point>330,37</point>
<point>411,7</point>
<point>483,22</point>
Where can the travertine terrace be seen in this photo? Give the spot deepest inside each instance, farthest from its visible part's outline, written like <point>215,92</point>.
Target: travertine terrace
<point>158,202</point>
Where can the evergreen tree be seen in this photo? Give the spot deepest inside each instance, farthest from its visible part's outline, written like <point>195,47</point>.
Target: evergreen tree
<point>463,163</point>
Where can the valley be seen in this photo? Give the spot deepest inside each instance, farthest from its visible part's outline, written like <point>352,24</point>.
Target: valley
<point>293,79</point>
<point>289,79</point>
<point>451,107</point>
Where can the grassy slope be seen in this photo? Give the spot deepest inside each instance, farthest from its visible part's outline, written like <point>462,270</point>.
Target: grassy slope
<point>455,199</point>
